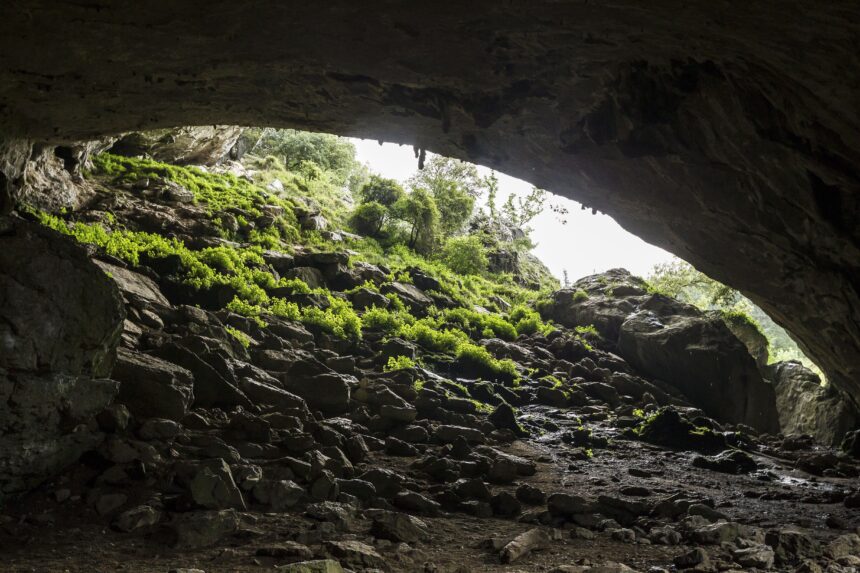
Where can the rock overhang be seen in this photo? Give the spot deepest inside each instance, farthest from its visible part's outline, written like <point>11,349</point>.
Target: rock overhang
<point>728,138</point>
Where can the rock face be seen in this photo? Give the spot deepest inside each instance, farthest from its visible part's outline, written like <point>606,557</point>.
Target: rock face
<point>728,137</point>
<point>60,312</point>
<point>807,407</point>
<point>202,145</point>
<point>60,322</point>
<point>674,342</point>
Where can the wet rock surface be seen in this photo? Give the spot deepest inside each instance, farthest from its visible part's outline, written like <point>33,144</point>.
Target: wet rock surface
<point>301,452</point>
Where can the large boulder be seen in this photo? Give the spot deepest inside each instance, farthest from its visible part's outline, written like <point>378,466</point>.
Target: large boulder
<point>700,356</point>
<point>603,300</point>
<point>44,425</point>
<point>693,351</point>
<point>749,333</point>
<point>60,322</point>
<point>807,407</point>
<point>59,313</point>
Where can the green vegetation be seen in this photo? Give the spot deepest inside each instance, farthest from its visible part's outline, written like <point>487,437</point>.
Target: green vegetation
<point>465,255</point>
<point>681,280</point>
<point>398,363</point>
<point>291,174</point>
<point>478,357</point>
<point>240,336</point>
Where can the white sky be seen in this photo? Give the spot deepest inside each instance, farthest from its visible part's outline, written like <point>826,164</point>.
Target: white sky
<point>587,244</point>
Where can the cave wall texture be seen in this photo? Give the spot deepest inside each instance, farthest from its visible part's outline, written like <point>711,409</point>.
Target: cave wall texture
<point>725,132</point>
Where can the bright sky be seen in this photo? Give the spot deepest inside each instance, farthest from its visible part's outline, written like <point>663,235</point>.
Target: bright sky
<point>587,244</point>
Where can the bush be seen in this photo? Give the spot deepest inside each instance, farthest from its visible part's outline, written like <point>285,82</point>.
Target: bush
<point>480,324</point>
<point>465,255</point>
<point>368,219</point>
<point>528,321</point>
<point>384,320</point>
<point>580,295</point>
<point>426,332</point>
<point>478,357</point>
<point>398,363</point>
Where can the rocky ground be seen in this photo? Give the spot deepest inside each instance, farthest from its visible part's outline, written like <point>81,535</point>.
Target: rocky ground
<point>646,443</point>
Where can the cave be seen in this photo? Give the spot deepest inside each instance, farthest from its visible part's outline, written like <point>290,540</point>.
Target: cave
<point>726,134</point>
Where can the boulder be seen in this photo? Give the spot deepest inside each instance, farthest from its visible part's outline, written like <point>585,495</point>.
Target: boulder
<point>59,312</point>
<point>807,407</point>
<point>603,300</point>
<point>310,275</point>
<point>133,285</point>
<point>411,295</point>
<point>151,387</point>
<point>695,352</point>
<point>326,392</point>
<point>671,341</point>
<point>211,388</point>
<point>60,322</point>
<point>399,527</point>
<point>748,333</point>
<point>43,425</point>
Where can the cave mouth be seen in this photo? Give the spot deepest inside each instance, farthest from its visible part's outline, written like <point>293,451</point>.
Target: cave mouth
<point>732,151</point>
<point>281,338</point>
<point>170,374</point>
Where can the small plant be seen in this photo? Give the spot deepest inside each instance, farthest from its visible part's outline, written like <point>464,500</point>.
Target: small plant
<point>398,363</point>
<point>240,336</point>
<point>589,330</point>
<point>580,295</point>
<point>479,357</point>
<point>465,255</point>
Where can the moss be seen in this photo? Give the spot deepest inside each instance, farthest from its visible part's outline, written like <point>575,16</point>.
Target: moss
<point>667,427</point>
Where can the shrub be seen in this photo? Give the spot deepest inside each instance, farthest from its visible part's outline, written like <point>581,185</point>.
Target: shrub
<point>398,363</point>
<point>338,319</point>
<point>465,255</point>
<point>384,320</point>
<point>426,332</point>
<point>480,324</point>
<point>240,336</point>
<point>473,355</point>
<point>580,295</point>
<point>368,219</point>
<point>528,321</point>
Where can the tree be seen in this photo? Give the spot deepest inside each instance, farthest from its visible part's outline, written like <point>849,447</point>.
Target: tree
<point>418,210</point>
<point>440,171</point>
<point>454,185</point>
<point>491,183</point>
<point>465,255</point>
<point>520,211</point>
<point>330,152</point>
<point>369,218</point>
<point>455,207</point>
<point>384,191</point>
